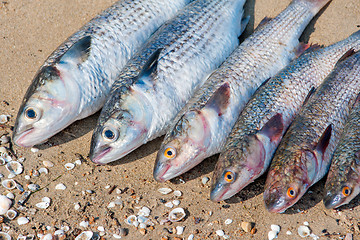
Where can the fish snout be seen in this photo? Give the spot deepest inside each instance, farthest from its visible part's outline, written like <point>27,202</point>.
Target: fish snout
<point>274,203</point>
<point>97,155</point>
<point>332,201</point>
<point>21,139</point>
<point>160,170</point>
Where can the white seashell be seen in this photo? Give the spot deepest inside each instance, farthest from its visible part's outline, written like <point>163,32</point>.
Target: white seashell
<point>142,225</point>
<point>136,224</point>
<point>33,187</point>
<point>11,214</point>
<point>10,195</point>
<point>165,190</point>
<point>84,224</point>
<point>27,177</point>
<point>11,175</point>
<point>5,236</point>
<point>177,214</point>
<point>77,162</point>
<point>23,220</point>
<point>169,205</point>
<point>1,176</point>
<point>275,228</point>
<point>220,233</point>
<point>48,163</point>
<point>204,180</point>
<point>177,193</point>
<point>101,228</point>
<point>176,202</point>
<point>111,205</point>
<point>5,204</point>
<point>288,233</point>
<point>43,170</point>
<point>42,205</point>
<point>179,230</point>
<point>46,199</point>
<point>306,223</point>
<point>76,206</point>
<point>2,160</point>
<point>191,237</point>
<point>304,231</point>
<point>69,166</point>
<point>228,221</point>
<point>86,235</point>
<point>3,119</point>
<point>272,235</point>
<point>145,211</point>
<point>131,219</point>
<point>107,186</point>
<point>60,186</point>
<point>117,236</point>
<point>3,151</point>
<point>34,150</point>
<point>15,167</point>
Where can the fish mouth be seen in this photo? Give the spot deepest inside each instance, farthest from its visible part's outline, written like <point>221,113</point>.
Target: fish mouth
<point>159,173</point>
<point>331,201</point>
<point>19,139</point>
<point>95,157</point>
<point>274,203</point>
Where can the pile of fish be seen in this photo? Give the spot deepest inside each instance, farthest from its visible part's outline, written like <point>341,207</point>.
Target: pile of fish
<point>176,68</point>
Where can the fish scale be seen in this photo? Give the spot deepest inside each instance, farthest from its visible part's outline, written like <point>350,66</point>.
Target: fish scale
<point>283,94</point>
<point>260,56</point>
<point>304,154</point>
<point>75,80</point>
<point>184,51</point>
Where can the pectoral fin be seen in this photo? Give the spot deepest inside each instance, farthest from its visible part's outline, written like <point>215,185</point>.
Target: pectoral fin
<point>324,141</point>
<point>149,67</point>
<point>77,53</point>
<point>273,129</point>
<point>220,99</point>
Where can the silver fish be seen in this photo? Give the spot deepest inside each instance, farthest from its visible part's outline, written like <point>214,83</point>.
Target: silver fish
<point>75,80</point>
<point>259,129</point>
<point>201,128</point>
<point>304,154</point>
<point>171,66</point>
<point>343,181</point>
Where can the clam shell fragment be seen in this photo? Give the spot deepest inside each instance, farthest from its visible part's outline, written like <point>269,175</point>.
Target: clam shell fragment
<point>5,236</point>
<point>11,214</point>
<point>304,231</point>
<point>177,214</point>
<point>165,190</point>
<point>15,167</point>
<point>9,184</point>
<point>86,235</point>
<point>5,204</point>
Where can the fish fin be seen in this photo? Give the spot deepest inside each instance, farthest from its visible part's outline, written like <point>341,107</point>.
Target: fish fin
<point>151,64</point>
<point>243,23</point>
<point>264,22</point>
<point>349,53</point>
<point>77,53</point>
<point>273,128</point>
<point>310,93</point>
<point>220,99</point>
<point>263,83</point>
<point>301,48</point>
<point>324,140</point>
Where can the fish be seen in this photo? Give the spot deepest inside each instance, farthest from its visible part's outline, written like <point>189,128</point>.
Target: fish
<point>201,127</point>
<point>164,75</point>
<point>262,123</point>
<point>343,181</point>
<point>75,80</point>
<point>304,154</point>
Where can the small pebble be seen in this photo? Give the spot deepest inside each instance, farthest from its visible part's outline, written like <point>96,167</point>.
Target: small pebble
<point>204,180</point>
<point>48,163</point>
<point>176,202</point>
<point>76,206</point>
<point>34,150</point>
<point>22,220</point>
<point>165,190</point>
<point>228,221</point>
<point>27,177</point>
<point>246,226</point>
<point>220,233</point>
<point>142,231</point>
<point>111,205</point>
<point>177,193</point>
<point>169,205</point>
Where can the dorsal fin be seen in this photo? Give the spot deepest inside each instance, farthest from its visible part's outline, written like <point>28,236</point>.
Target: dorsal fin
<point>324,140</point>
<point>219,101</point>
<point>273,128</point>
<point>310,93</point>
<point>349,53</point>
<point>151,65</point>
<point>77,53</point>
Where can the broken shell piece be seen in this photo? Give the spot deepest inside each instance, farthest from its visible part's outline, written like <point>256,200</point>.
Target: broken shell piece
<point>48,163</point>
<point>78,162</point>
<point>15,167</point>
<point>272,235</point>
<point>145,211</point>
<point>10,195</point>
<point>179,230</point>
<point>5,236</point>
<point>11,214</point>
<point>5,204</point>
<point>84,224</point>
<point>43,170</point>
<point>111,205</point>
<point>86,235</point>
<point>304,231</point>
<point>4,139</point>
<point>177,214</point>
<point>23,220</point>
<point>9,184</point>
<point>131,220</point>
<point>229,221</point>
<point>24,197</point>
<point>176,202</point>
<point>220,233</point>
<point>69,166</point>
<point>204,180</point>
<point>169,205</point>
<point>46,199</point>
<point>33,187</point>
<point>165,190</point>
<point>2,161</point>
<point>3,119</point>
<point>42,205</point>
<point>275,228</point>
<point>177,193</point>
<point>60,186</point>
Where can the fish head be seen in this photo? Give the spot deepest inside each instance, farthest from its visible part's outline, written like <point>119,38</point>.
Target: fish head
<point>121,128</point>
<point>48,107</point>
<point>183,147</point>
<point>237,166</point>
<point>286,184</point>
<point>342,185</point>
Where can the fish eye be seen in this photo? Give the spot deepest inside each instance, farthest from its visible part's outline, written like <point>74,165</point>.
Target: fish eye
<point>229,176</point>
<point>346,191</point>
<point>31,113</point>
<point>110,134</point>
<point>170,153</point>
<point>291,193</point>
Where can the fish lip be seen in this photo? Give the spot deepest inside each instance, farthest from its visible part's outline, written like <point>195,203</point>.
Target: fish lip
<point>331,202</point>
<point>214,194</point>
<point>159,175</point>
<point>96,156</point>
<point>17,139</point>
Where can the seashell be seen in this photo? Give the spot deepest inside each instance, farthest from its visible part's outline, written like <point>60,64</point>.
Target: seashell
<point>275,228</point>
<point>177,193</point>
<point>179,230</point>
<point>46,199</point>
<point>2,160</point>
<point>11,214</point>
<point>86,235</point>
<point>43,170</point>
<point>288,233</point>
<point>101,228</point>
<point>34,150</point>
<point>142,219</point>
<point>177,214</point>
<point>76,206</point>
<point>191,237</point>
<point>204,180</point>
<point>21,159</point>
<point>15,167</point>
<point>306,223</point>
<point>23,220</point>
<point>111,205</point>
<point>169,205</point>
<point>4,139</point>
<point>142,225</point>
<point>272,235</point>
<point>131,219</point>
<point>1,176</point>
<point>48,163</point>
<point>304,231</point>
<point>24,197</point>
<point>165,190</point>
<point>35,173</point>
<point>5,236</point>
<point>176,202</point>
<point>4,118</point>
<point>77,162</point>
<point>84,224</point>
<point>42,205</point>
<point>33,187</point>
<point>60,186</point>
<point>11,175</point>
<point>145,211</point>
<point>5,204</point>
<point>220,233</point>
<point>10,195</point>
<point>69,166</point>
<point>27,177</point>
<point>3,151</point>
<point>228,221</point>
